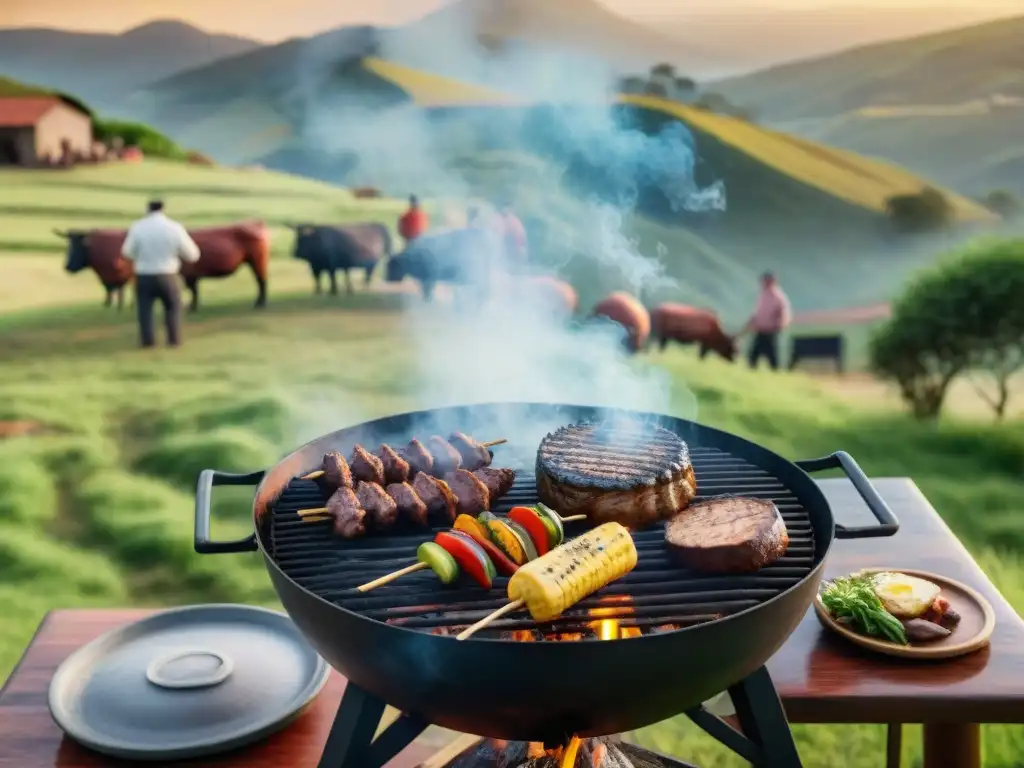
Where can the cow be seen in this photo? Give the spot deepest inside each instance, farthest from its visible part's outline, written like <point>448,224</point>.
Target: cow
<point>551,293</point>
<point>690,325</point>
<point>459,256</point>
<point>222,250</point>
<point>331,248</point>
<point>628,312</point>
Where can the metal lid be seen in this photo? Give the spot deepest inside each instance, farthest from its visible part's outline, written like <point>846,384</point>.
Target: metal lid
<point>187,682</point>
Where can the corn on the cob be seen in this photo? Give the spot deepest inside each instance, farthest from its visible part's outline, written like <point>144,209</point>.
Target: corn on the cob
<point>565,575</point>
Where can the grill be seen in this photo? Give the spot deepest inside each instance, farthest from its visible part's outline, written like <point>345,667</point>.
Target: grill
<point>683,637</point>
<point>657,595</point>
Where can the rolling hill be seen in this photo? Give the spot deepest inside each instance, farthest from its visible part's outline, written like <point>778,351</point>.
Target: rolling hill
<point>949,106</point>
<point>104,68</point>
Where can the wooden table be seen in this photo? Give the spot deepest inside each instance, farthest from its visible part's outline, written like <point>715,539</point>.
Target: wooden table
<point>821,678</point>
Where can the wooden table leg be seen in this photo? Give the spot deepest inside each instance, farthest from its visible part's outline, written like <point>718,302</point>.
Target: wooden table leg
<point>952,745</point>
<point>894,745</point>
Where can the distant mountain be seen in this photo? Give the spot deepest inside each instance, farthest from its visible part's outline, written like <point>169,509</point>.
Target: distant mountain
<point>949,106</point>
<point>945,68</point>
<point>103,68</point>
<point>748,36</point>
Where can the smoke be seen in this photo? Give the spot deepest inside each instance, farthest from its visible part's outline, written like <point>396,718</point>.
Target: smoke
<point>517,346</point>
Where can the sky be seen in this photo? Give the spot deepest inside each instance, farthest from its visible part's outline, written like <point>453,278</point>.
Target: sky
<point>273,20</point>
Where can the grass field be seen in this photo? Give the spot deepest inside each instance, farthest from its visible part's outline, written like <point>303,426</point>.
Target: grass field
<point>100,443</point>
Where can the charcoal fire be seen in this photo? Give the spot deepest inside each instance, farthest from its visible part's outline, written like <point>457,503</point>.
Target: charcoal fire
<point>602,752</point>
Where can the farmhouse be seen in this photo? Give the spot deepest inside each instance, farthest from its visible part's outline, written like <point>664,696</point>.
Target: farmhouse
<point>42,128</point>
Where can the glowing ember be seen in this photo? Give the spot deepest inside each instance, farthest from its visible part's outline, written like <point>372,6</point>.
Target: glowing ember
<point>601,752</point>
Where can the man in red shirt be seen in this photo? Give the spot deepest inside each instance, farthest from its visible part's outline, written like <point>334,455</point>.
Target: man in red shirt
<point>414,222</point>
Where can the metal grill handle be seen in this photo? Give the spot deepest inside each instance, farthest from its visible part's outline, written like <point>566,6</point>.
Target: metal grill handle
<point>888,524</point>
<point>204,492</point>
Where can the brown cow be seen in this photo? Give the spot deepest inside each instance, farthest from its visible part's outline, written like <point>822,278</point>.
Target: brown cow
<point>627,311</point>
<point>689,325</point>
<point>222,250</point>
<point>551,292</point>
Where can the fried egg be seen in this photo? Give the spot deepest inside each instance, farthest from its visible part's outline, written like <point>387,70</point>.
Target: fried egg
<point>905,597</point>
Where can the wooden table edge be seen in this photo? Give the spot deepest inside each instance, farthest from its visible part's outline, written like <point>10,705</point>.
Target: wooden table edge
<point>31,643</point>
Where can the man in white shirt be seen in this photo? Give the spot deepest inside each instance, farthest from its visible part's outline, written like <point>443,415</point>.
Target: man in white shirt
<point>157,245</point>
<point>770,318</point>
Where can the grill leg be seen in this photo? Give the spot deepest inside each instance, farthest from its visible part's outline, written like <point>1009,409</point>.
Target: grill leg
<point>766,740</point>
<point>350,743</point>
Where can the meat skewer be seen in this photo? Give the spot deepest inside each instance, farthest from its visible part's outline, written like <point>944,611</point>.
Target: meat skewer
<point>417,500</point>
<point>458,452</point>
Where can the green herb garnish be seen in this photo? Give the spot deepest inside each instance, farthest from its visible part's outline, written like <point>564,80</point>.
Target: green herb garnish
<point>854,597</point>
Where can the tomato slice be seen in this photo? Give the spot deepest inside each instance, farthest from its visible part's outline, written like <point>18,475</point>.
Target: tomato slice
<point>531,520</point>
<point>470,556</point>
<point>503,565</point>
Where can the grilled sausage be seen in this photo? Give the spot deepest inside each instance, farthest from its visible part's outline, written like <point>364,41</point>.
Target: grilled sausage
<point>337,473</point>
<point>366,467</point>
<point>436,495</point>
<point>471,494</point>
<point>348,514</point>
<point>410,505</point>
<point>380,508</point>
<point>396,469</point>
<point>418,457</point>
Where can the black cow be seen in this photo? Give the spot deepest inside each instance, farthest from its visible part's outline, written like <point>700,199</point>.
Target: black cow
<point>331,248</point>
<point>458,256</point>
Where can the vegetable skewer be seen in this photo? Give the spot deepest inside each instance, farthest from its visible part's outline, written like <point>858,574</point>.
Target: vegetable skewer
<point>505,543</point>
<point>551,584</point>
<point>467,445</point>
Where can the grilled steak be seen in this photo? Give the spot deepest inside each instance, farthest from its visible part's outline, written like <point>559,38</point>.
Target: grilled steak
<point>380,508</point>
<point>410,505</point>
<point>419,458</point>
<point>436,495</point>
<point>366,466</point>
<point>396,469</point>
<point>728,535</point>
<point>473,454</point>
<point>336,471</point>
<point>498,481</point>
<point>471,494</point>
<point>446,458</point>
<point>349,515</point>
<point>632,474</point>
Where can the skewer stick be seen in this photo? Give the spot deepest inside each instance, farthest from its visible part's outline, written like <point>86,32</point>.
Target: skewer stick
<point>573,518</point>
<point>513,606</point>
<point>320,473</point>
<point>391,577</point>
<point>317,511</point>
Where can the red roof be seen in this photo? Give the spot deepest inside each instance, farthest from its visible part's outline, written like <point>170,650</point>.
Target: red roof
<point>24,111</point>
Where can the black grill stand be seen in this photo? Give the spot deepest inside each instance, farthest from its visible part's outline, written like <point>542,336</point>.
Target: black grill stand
<point>766,740</point>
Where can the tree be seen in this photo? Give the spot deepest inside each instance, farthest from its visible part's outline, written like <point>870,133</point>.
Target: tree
<point>632,84</point>
<point>1002,202</point>
<point>666,71</point>
<point>963,316</point>
<point>686,86</point>
<point>922,211</point>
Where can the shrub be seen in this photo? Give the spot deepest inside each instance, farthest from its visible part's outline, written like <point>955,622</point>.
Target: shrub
<point>965,314</point>
<point>198,158</point>
<point>151,142</point>
<point>27,492</point>
<point>366,193</point>
<point>180,458</point>
<point>923,211</point>
<point>1002,202</point>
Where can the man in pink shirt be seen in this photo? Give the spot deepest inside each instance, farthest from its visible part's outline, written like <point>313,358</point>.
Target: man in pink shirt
<point>771,316</point>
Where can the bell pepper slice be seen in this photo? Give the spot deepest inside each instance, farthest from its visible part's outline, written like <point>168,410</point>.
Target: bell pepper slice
<point>554,520</point>
<point>502,564</point>
<point>524,536</point>
<point>531,520</point>
<point>440,562</point>
<point>472,526</point>
<point>507,540</point>
<point>470,557</point>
